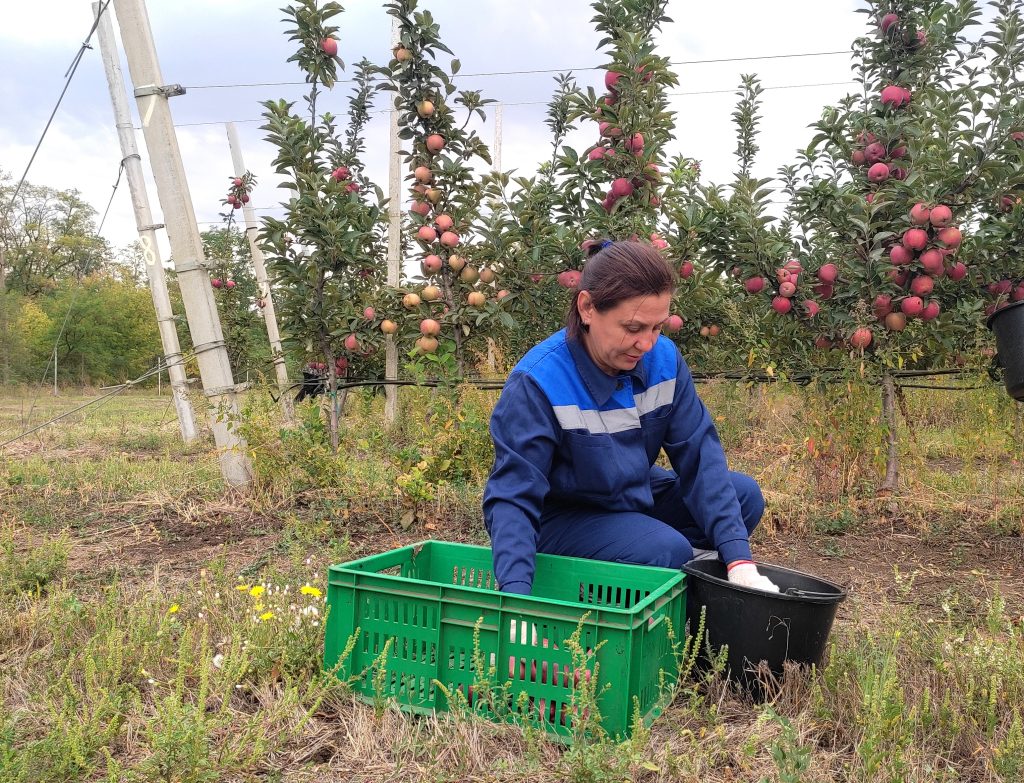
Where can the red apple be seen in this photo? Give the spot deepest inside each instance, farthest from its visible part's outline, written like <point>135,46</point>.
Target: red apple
<point>449,239</point>
<point>444,222</point>
<point>329,47</point>
<point>475,299</point>
<point>810,307</point>
<point>915,238</point>
<point>431,293</point>
<point>828,273</point>
<point>899,255</point>
<point>951,236</point>
<point>635,143</point>
<point>621,188</point>
<point>754,285</point>
<point>874,152</point>
<point>931,260</point>
<point>352,342</point>
<point>369,313</point>
<point>435,142</point>
<point>388,326</point>
<point>899,276</point>
<point>922,285</point>
<point>787,289</point>
<point>894,96</point>
<point>888,21</point>
<point>430,327</point>
<point>611,78</point>
<point>686,270</point>
<point>229,284</point>
<point>930,312</point>
<point>423,174</point>
<point>782,305</point>
<point>673,323</point>
<point>216,282</point>
<point>878,172</point>
<point>426,234</point>
<point>882,306</point>
<point>940,216</point>
<point>861,338</point>
<point>957,272</point>
<point>912,306</point>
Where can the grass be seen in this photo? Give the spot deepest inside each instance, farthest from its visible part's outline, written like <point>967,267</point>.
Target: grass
<point>154,627</point>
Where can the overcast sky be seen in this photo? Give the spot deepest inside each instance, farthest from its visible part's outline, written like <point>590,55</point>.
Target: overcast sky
<point>230,42</point>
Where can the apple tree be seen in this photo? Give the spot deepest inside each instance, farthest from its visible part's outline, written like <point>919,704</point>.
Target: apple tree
<point>326,254</point>
<point>886,197</point>
<point>449,306</point>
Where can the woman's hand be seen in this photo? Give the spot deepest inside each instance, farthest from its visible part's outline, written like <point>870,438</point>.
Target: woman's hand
<point>745,574</point>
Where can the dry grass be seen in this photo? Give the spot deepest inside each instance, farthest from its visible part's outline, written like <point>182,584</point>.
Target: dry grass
<point>107,663</point>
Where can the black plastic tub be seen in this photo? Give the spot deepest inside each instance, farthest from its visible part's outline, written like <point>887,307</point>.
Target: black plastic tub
<point>1008,326</point>
<point>791,625</point>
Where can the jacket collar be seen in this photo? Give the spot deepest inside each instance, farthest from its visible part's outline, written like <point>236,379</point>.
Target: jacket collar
<point>601,385</point>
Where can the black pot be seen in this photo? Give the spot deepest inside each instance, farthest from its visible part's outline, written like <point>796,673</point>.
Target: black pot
<point>791,625</point>
<point>1008,325</point>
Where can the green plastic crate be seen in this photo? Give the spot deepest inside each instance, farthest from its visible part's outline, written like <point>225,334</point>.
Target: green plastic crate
<point>427,599</point>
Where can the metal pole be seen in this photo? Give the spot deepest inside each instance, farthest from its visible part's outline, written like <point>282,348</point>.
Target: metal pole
<point>152,95</point>
<point>262,281</point>
<point>394,248</point>
<point>55,371</point>
<point>176,375</point>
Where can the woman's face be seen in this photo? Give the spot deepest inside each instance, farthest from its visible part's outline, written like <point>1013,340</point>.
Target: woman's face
<point>618,338</point>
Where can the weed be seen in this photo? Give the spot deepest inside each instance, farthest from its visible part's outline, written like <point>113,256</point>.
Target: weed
<point>34,569</point>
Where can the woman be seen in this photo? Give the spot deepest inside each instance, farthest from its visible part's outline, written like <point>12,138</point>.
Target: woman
<point>580,424</point>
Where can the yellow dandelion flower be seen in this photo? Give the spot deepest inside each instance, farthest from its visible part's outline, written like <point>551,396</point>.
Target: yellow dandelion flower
<point>243,588</point>
<point>174,608</point>
<point>307,590</point>
<point>257,591</point>
<point>267,616</point>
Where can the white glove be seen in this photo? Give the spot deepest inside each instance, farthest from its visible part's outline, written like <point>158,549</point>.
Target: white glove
<point>745,574</point>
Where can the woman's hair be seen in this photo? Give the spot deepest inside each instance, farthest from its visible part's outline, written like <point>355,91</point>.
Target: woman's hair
<point>617,271</point>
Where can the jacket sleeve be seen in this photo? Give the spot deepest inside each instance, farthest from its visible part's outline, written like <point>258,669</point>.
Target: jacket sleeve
<point>525,433</point>
<point>693,448</point>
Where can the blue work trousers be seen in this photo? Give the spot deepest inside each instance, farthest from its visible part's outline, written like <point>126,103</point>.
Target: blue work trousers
<point>666,537</point>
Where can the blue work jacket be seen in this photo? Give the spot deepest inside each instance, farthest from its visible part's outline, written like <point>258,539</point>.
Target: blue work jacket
<point>565,432</point>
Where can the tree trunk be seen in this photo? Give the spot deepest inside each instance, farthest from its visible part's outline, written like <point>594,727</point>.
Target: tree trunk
<point>332,393</point>
<point>888,484</point>
<point>450,300</point>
